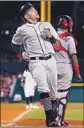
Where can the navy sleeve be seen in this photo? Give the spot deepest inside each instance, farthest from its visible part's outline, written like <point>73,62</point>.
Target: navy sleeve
<point>17,48</point>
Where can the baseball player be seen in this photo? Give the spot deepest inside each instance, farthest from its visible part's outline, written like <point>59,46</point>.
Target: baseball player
<point>66,61</point>
<point>29,85</point>
<point>38,51</point>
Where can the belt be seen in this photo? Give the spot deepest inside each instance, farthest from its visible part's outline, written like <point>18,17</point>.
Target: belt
<point>64,90</point>
<point>41,57</point>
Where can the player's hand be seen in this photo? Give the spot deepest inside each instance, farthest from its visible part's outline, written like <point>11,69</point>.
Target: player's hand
<point>46,32</point>
<point>79,78</point>
<point>25,56</point>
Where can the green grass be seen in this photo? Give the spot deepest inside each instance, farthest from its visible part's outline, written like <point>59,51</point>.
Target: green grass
<point>74,112</point>
<point>36,114</point>
<point>76,115</point>
<point>75,104</point>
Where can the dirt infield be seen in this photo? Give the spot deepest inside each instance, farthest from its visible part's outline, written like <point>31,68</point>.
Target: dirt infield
<point>13,115</point>
<point>9,112</point>
<point>35,122</point>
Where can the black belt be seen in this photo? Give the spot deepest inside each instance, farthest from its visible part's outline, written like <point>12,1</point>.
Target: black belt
<point>63,90</point>
<point>41,58</point>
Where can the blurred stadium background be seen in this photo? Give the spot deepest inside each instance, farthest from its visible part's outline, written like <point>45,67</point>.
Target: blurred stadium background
<point>12,67</point>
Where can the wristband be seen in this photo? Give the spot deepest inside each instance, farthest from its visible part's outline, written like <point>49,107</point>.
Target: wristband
<point>52,40</point>
<point>77,69</point>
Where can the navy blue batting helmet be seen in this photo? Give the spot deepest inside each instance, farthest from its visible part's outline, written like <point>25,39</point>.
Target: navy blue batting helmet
<point>24,9</point>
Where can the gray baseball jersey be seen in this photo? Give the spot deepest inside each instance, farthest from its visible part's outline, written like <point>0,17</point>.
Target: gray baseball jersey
<point>30,35</point>
<point>64,63</point>
<point>44,71</point>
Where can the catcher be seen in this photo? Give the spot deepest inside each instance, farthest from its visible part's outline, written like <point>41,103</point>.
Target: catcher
<point>67,62</point>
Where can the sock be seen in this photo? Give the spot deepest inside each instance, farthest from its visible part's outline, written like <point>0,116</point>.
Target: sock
<point>31,99</point>
<point>27,100</point>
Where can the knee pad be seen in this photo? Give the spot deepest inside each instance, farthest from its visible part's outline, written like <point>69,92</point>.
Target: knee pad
<point>63,96</point>
<point>44,95</point>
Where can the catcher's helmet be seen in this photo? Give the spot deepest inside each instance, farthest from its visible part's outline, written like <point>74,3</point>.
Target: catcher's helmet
<point>24,9</point>
<point>65,22</point>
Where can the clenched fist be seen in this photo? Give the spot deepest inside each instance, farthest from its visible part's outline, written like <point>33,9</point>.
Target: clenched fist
<point>46,33</point>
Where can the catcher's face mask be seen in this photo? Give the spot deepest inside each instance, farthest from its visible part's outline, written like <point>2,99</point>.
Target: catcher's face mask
<point>65,22</point>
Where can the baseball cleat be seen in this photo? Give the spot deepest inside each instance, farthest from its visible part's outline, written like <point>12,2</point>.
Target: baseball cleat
<point>34,106</point>
<point>65,123</point>
<point>53,124</point>
<point>58,124</point>
<point>27,106</point>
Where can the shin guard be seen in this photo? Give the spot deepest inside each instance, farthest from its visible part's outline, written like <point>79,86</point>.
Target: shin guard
<point>50,115</point>
<point>63,99</point>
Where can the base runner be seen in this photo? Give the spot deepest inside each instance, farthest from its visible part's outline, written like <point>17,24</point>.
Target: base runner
<point>29,85</point>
